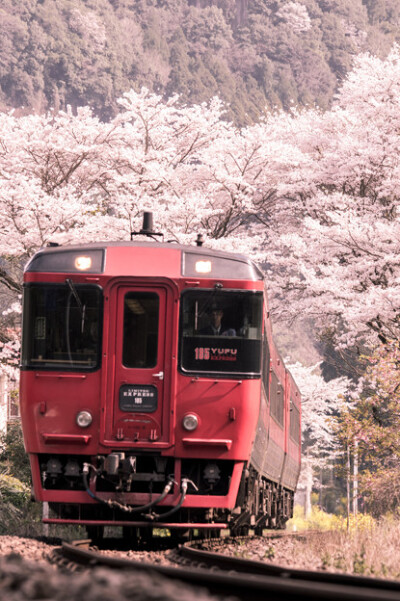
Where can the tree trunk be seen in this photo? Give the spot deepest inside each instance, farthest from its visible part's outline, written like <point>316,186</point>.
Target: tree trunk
<point>348,488</point>
<point>355,479</point>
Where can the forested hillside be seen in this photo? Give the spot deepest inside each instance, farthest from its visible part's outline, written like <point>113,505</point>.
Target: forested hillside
<point>252,53</point>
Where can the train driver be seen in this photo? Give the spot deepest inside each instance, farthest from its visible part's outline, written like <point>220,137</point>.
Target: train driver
<point>215,327</point>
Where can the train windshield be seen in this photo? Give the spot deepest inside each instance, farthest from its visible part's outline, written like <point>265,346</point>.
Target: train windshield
<point>62,327</point>
<point>221,332</point>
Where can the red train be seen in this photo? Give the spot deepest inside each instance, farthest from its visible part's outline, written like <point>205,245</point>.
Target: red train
<point>152,394</point>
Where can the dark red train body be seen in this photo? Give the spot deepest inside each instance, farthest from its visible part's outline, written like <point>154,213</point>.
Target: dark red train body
<point>134,412</point>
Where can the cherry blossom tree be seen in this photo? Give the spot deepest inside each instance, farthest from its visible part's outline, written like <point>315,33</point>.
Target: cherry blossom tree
<point>71,177</point>
<point>67,177</point>
<point>318,190</point>
<point>322,402</point>
<point>295,15</point>
<point>311,195</point>
<point>340,261</point>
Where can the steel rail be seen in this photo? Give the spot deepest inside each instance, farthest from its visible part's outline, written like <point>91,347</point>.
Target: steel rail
<point>249,566</point>
<point>244,585</point>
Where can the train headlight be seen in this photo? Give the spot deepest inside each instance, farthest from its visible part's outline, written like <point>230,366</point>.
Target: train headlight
<point>83,263</point>
<point>190,422</point>
<point>84,419</point>
<point>203,266</point>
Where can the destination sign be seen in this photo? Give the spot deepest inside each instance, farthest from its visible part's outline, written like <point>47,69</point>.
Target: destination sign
<point>138,398</point>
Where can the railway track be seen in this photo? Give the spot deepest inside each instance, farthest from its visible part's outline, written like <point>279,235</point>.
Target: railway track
<point>242,579</point>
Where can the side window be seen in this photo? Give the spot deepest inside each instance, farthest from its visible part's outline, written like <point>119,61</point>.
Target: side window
<point>266,364</point>
<point>140,343</point>
<point>294,422</point>
<point>277,400</point>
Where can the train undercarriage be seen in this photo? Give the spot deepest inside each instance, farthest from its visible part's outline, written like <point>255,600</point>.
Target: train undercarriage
<point>111,481</point>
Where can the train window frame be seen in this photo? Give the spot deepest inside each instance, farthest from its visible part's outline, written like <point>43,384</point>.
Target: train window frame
<point>127,347</point>
<point>294,424</point>
<point>277,409</point>
<point>230,343</point>
<point>266,363</point>
<point>27,361</point>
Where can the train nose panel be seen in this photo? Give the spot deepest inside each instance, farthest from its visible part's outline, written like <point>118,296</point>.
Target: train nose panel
<point>137,355</point>
<point>143,429</point>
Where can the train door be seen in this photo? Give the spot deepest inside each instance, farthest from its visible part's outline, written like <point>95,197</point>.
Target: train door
<point>139,407</point>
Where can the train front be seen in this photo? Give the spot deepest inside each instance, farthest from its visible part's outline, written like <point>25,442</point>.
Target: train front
<point>140,383</point>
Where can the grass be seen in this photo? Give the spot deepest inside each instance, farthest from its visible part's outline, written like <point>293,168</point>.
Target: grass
<point>320,520</point>
<point>370,547</point>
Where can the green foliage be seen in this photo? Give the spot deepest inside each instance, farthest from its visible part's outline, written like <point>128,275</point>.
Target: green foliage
<point>13,491</point>
<point>359,563</point>
<point>269,553</point>
<point>81,52</point>
<point>206,29</point>
<point>371,428</point>
<point>320,520</point>
<point>13,458</point>
<point>18,515</point>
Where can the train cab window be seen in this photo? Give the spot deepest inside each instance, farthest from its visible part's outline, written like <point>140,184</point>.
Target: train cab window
<point>140,340</point>
<point>221,332</point>
<point>62,327</point>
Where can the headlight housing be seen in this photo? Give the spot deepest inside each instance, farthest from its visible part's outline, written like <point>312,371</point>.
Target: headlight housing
<point>190,422</point>
<point>84,419</point>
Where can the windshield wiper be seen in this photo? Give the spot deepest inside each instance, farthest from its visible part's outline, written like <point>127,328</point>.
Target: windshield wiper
<point>81,307</point>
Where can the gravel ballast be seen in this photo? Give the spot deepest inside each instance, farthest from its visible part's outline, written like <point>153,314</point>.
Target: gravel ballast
<point>26,574</point>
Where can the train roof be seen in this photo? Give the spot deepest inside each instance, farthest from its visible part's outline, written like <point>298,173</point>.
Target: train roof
<point>156,258</point>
